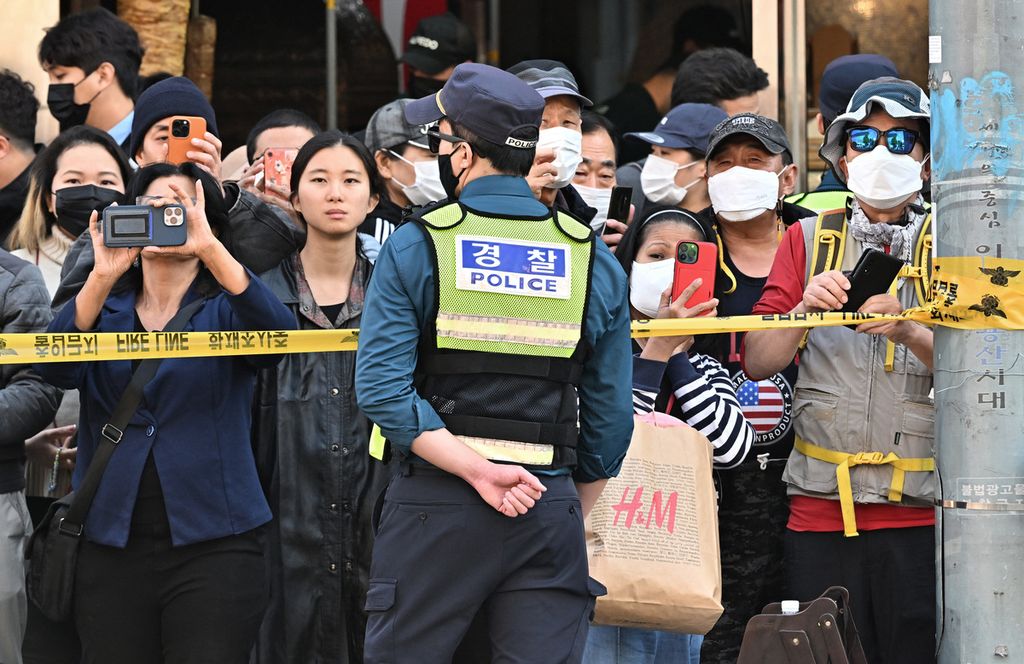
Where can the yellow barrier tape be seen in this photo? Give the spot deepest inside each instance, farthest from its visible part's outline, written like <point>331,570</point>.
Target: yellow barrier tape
<point>91,346</point>
<point>967,294</point>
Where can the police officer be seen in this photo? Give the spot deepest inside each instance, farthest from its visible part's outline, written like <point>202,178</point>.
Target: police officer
<point>495,358</point>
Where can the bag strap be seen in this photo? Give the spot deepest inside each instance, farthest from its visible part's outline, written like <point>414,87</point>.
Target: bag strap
<point>73,523</point>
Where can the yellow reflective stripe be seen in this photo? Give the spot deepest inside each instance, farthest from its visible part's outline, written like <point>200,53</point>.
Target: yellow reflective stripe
<point>531,454</point>
<point>511,330</point>
<point>843,461</point>
<point>378,443</point>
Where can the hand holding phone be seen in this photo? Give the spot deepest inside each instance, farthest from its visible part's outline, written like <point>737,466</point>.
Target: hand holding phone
<point>144,226</point>
<point>277,169</point>
<point>618,204</point>
<point>873,275</point>
<point>183,129</point>
<point>695,260</point>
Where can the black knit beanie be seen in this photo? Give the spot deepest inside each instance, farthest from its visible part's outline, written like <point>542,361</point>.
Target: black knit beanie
<point>172,96</point>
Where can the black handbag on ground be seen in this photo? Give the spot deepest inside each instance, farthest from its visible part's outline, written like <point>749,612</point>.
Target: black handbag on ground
<point>52,550</point>
<point>821,633</point>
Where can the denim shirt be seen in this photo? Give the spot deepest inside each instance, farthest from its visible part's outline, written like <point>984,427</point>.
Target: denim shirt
<point>402,295</point>
<point>195,416</point>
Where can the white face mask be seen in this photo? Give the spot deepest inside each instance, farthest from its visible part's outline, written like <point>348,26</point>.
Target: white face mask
<point>596,198</point>
<point>568,146</point>
<point>427,187</point>
<point>647,281</point>
<point>741,193</point>
<point>658,180</point>
<point>882,179</point>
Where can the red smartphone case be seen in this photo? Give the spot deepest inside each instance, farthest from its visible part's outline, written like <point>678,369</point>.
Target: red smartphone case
<point>695,259</point>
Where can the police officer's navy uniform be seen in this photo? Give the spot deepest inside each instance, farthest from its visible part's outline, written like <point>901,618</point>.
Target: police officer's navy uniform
<point>507,324</point>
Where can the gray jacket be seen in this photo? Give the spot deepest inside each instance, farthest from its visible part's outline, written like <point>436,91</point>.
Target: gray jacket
<point>846,401</point>
<point>27,404</point>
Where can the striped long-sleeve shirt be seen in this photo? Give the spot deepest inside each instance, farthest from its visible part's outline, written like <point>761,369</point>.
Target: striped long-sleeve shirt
<point>704,398</point>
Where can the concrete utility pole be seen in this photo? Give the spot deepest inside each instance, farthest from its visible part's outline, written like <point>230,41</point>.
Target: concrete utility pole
<point>976,56</point>
<point>332,63</point>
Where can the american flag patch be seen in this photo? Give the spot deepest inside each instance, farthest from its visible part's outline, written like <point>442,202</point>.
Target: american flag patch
<point>767,404</point>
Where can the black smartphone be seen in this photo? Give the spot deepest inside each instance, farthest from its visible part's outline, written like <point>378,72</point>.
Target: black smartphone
<point>618,204</point>
<point>144,226</point>
<point>873,275</point>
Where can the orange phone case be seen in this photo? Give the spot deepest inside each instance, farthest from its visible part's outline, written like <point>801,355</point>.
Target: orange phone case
<point>277,167</point>
<point>178,146</point>
<point>695,259</point>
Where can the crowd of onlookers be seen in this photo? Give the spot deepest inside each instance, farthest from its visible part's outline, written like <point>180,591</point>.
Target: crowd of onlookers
<point>236,515</point>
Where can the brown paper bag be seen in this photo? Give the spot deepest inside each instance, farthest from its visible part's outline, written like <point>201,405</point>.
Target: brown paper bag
<point>652,537</point>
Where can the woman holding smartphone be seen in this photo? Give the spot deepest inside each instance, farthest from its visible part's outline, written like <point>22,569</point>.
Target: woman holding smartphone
<point>309,431</point>
<point>171,567</point>
<point>673,375</point>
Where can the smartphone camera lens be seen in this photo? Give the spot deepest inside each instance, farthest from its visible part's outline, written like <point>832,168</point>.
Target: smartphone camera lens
<point>179,128</point>
<point>688,254</point>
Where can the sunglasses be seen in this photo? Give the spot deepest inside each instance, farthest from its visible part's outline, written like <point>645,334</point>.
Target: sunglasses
<point>434,138</point>
<point>898,140</point>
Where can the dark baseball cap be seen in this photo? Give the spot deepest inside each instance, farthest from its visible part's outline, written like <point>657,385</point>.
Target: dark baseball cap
<point>438,43</point>
<point>844,75</point>
<point>549,78</point>
<point>488,101</point>
<point>687,126</point>
<point>768,133</point>
<point>388,128</point>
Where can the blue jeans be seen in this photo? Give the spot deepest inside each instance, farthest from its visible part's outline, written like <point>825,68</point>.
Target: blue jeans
<point>628,645</point>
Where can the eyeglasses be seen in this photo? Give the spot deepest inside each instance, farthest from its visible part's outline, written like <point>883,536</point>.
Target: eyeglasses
<point>434,138</point>
<point>898,140</point>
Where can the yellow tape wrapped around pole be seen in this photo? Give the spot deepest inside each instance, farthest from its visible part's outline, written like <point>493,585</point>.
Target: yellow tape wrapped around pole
<point>967,293</point>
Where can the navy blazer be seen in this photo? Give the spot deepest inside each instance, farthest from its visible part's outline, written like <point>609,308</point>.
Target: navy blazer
<point>195,417</point>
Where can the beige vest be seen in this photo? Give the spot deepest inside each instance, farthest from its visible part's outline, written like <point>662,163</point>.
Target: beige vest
<point>846,401</point>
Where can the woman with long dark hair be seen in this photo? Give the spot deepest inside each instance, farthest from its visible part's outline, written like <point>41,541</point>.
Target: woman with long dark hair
<point>311,437</point>
<point>80,171</point>
<point>171,567</point>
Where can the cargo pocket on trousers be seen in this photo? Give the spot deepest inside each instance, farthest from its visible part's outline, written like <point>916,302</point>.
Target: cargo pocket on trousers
<point>380,621</point>
<point>594,590</point>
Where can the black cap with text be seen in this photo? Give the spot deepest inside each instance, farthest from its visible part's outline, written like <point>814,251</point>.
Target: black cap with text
<point>438,43</point>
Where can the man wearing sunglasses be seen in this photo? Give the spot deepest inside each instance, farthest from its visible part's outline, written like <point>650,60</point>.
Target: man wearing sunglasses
<point>494,344</point>
<point>839,81</point>
<point>860,476</point>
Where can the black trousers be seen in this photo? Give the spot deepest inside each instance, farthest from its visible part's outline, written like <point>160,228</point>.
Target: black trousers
<point>752,513</point>
<point>890,574</point>
<point>442,554</point>
<point>151,602</point>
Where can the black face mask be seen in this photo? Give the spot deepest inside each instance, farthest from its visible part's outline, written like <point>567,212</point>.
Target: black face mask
<point>424,87</point>
<point>60,98</point>
<point>449,180</point>
<point>76,204</point>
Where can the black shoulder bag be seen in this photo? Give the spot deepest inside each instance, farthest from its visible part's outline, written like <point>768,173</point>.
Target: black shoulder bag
<point>53,548</point>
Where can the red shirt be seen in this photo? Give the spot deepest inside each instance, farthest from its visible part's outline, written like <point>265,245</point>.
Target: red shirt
<point>782,293</point>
